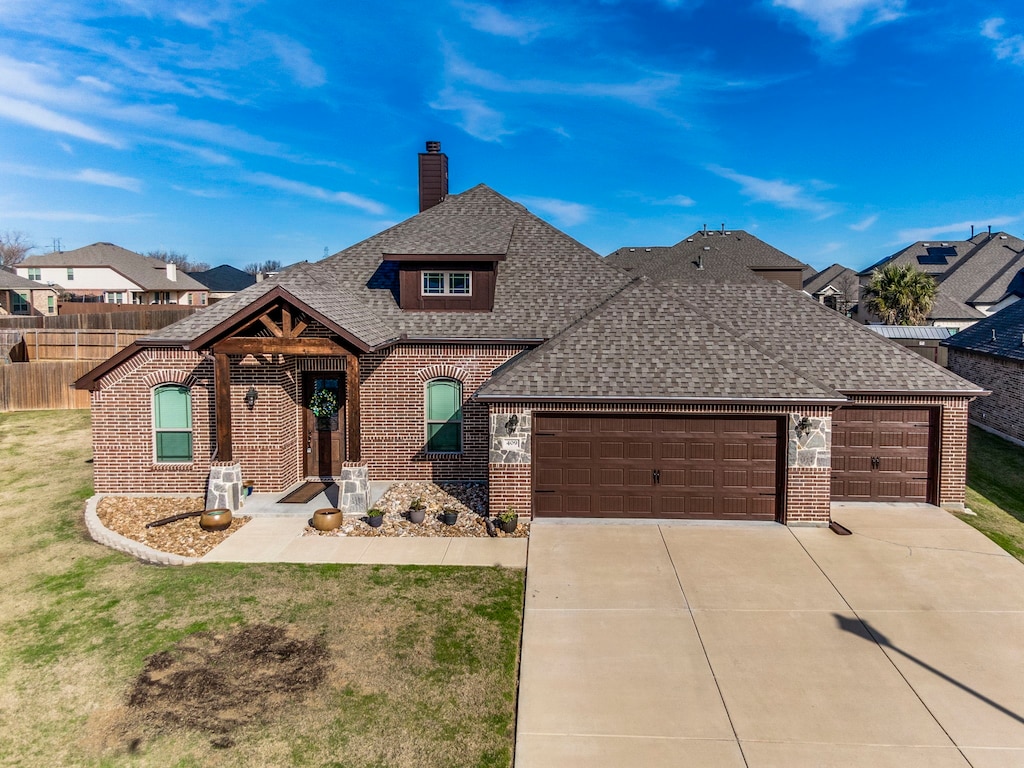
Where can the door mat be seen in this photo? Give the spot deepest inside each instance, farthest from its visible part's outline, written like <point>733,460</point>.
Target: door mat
<point>305,493</point>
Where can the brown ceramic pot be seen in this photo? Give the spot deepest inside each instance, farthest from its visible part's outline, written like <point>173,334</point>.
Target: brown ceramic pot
<point>215,520</point>
<point>327,519</point>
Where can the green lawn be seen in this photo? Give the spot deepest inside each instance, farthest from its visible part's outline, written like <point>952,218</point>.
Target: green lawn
<point>995,490</point>
<point>419,663</point>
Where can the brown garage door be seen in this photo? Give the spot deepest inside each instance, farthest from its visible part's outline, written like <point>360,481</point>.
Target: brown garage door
<point>658,467</point>
<point>882,454</point>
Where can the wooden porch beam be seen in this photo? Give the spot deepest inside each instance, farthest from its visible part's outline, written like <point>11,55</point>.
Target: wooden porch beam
<point>222,404</point>
<point>286,321</point>
<point>352,406</point>
<point>278,346</point>
<point>298,328</point>
<point>272,326</point>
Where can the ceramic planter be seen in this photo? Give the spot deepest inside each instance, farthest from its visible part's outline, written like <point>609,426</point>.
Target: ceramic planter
<point>509,526</point>
<point>375,521</point>
<point>417,515</point>
<point>449,518</point>
<point>215,520</point>
<point>327,519</point>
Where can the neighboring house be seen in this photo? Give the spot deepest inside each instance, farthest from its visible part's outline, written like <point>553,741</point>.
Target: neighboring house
<point>991,354</point>
<point>976,277</point>
<point>719,252</point>
<point>474,341</point>
<point>21,296</point>
<point>104,272</point>
<point>223,281</point>
<point>837,287</point>
<point>925,340</point>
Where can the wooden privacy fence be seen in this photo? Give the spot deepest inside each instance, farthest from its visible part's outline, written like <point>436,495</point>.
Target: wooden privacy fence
<point>43,386</point>
<point>76,345</point>
<point>132,317</point>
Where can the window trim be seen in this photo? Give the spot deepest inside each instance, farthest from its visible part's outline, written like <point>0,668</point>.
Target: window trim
<point>35,273</point>
<point>427,421</point>
<point>447,276</point>
<point>71,273</point>
<point>163,430</point>
<point>21,303</point>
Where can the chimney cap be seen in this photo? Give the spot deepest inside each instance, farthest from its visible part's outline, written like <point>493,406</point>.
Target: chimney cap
<point>433,147</point>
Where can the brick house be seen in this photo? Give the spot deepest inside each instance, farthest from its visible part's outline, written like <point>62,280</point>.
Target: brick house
<point>21,296</point>
<point>991,354</point>
<point>474,341</point>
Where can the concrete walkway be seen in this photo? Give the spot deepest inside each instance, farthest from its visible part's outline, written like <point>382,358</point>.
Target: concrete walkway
<point>759,645</point>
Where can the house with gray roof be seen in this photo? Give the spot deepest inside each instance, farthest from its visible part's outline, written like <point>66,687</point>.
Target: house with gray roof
<point>836,286</point>
<point>991,354</point>
<point>21,296</point>
<point>104,272</point>
<point>476,342</point>
<point>976,277</point>
<point>223,281</point>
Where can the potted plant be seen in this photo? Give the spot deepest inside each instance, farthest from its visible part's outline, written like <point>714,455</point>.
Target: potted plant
<point>327,519</point>
<point>417,510</point>
<point>375,517</point>
<point>449,515</point>
<point>508,520</point>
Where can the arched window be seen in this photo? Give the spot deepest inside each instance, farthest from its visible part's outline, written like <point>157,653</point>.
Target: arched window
<point>172,423</point>
<point>444,416</point>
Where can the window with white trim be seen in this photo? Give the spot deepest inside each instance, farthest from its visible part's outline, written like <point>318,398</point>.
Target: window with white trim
<point>34,273</point>
<point>447,283</point>
<point>19,303</point>
<point>172,424</point>
<point>444,416</point>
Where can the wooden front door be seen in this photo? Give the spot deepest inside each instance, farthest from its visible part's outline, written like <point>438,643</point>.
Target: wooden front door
<point>325,435</point>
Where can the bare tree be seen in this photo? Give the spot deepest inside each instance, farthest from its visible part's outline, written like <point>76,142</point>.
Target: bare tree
<point>180,260</point>
<point>270,265</point>
<point>14,246</point>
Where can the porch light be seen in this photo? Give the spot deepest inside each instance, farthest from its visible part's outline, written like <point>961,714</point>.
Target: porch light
<point>250,398</point>
<point>802,427</point>
<point>512,424</point>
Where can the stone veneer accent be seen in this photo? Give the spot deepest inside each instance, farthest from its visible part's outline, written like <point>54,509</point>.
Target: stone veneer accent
<point>514,448</point>
<point>354,486</point>
<point>224,487</point>
<point>813,449</point>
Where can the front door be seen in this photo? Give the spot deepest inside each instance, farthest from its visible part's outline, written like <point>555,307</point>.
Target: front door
<point>324,403</point>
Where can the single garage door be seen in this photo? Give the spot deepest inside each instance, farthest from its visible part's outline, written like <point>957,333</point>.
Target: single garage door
<point>656,467</point>
<point>882,454</point>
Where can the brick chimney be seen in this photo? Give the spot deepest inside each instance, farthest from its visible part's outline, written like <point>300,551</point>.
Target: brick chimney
<point>433,175</point>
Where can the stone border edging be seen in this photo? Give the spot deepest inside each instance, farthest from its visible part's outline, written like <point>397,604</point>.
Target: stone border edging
<point>108,538</point>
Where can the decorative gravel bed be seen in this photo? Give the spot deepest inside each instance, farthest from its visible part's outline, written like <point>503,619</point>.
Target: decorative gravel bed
<point>128,515</point>
<point>470,499</point>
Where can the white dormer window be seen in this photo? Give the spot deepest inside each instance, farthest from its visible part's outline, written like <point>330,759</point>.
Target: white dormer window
<point>447,283</point>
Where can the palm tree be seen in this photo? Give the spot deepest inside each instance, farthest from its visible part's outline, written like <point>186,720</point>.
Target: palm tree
<point>901,294</point>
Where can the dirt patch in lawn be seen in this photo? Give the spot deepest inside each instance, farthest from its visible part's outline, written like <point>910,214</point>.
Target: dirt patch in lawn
<point>216,682</point>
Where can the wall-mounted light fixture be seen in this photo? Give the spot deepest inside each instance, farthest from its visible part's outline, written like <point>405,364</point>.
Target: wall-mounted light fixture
<point>802,427</point>
<point>512,424</point>
<point>250,398</point>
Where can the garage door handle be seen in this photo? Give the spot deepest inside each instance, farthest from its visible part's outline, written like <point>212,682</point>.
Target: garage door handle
<point>875,462</point>
<point>657,477</point>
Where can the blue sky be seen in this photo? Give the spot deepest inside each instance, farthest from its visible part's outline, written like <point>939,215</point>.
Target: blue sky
<point>836,130</point>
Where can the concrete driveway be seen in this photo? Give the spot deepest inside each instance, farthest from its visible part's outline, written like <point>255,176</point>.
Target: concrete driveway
<point>759,645</point>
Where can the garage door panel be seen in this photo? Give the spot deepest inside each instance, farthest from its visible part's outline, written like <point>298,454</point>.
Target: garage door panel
<point>696,466</point>
<point>882,454</point>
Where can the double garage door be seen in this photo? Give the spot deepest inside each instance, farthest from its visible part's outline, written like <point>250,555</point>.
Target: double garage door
<point>724,468</point>
<point>883,454</point>
<point>656,467</point>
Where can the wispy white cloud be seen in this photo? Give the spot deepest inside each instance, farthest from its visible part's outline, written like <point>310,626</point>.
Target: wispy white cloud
<point>297,60</point>
<point>486,18</point>
<point>960,229</point>
<point>77,216</point>
<point>317,193</point>
<point>563,212</point>
<point>680,201</point>
<point>475,117</point>
<point>27,113</point>
<point>86,176</point>
<point>864,224</point>
<point>777,192</point>
<point>838,19</point>
<point>211,194</point>
<point>1006,46</point>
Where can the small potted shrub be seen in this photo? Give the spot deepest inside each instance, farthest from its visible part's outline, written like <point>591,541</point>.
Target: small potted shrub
<point>508,520</point>
<point>449,515</point>
<point>375,517</point>
<point>417,510</point>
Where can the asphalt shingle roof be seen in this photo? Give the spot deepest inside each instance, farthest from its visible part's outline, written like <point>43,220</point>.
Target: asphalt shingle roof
<point>547,281</point>
<point>11,281</point>
<point>1000,335</point>
<point>148,273</point>
<point>837,276</point>
<point>224,279</point>
<point>646,344</point>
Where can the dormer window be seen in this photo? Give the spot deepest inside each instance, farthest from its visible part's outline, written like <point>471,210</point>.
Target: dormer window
<point>447,283</point>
